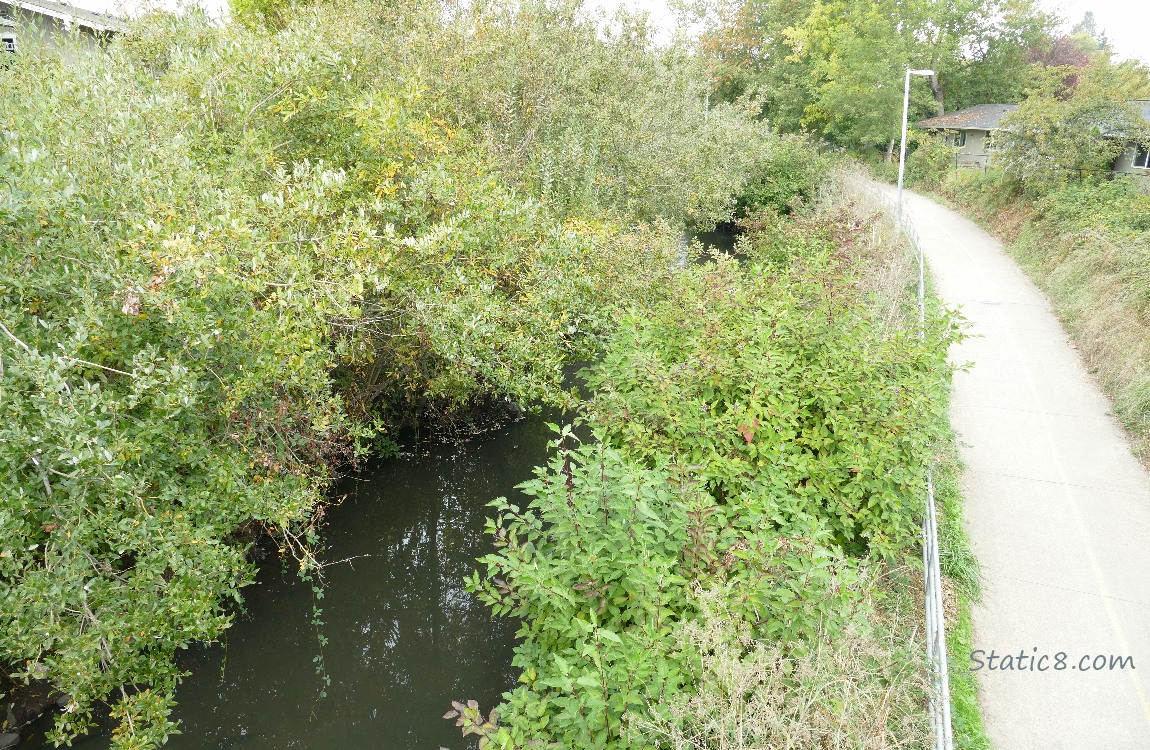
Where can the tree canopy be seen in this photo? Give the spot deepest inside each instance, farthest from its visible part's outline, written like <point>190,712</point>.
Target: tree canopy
<point>835,67</point>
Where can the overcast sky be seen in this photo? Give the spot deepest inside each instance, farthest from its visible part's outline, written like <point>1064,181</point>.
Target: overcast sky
<point>1126,22</point>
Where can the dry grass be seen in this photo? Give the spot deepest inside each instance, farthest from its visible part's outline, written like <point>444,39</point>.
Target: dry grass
<point>864,691</point>
<point>1098,288</point>
<point>889,268</point>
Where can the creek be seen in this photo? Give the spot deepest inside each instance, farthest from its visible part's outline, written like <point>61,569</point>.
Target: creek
<point>722,237</point>
<point>403,636</point>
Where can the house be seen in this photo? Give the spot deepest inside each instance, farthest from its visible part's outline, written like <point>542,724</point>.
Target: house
<point>971,131</point>
<point>46,21</point>
<point>7,30</point>
<point>7,35</point>
<point>1135,159</point>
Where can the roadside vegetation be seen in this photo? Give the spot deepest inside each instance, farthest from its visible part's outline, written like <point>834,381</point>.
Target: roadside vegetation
<point>962,589</point>
<point>962,578</point>
<point>738,526</point>
<point>235,259</point>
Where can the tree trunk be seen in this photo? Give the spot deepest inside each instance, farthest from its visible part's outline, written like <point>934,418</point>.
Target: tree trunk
<point>936,89</point>
<point>890,151</point>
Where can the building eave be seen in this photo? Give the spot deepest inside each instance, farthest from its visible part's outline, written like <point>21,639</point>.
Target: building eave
<point>79,19</point>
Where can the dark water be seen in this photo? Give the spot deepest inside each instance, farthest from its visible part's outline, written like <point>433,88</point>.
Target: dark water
<point>405,638</point>
<point>722,237</point>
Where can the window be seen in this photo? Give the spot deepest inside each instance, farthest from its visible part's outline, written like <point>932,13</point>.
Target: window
<point>1142,157</point>
<point>8,44</point>
<point>960,138</point>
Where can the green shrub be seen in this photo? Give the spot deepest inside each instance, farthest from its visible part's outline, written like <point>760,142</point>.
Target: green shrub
<point>1117,206</point>
<point>884,170</point>
<point>791,172</point>
<point>930,161</point>
<point>580,114</point>
<point>231,258</point>
<point>762,436</point>
<point>602,567</point>
<point>778,384</point>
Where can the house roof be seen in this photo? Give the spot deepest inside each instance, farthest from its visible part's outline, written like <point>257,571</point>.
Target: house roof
<point>66,12</point>
<point>1143,106</point>
<point>980,117</point>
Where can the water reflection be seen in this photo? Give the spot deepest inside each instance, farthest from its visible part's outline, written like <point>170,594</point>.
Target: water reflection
<point>405,638</point>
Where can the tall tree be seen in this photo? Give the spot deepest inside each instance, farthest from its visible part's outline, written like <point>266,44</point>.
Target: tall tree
<point>1089,27</point>
<point>1059,132</point>
<point>834,67</point>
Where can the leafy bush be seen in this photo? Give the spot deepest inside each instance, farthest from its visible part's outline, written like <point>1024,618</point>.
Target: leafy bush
<point>930,161</point>
<point>749,433</point>
<point>1119,207</point>
<point>884,170</point>
<point>231,259</point>
<point>786,369</point>
<point>589,117</point>
<point>602,566</point>
<point>582,115</point>
<point>791,172</point>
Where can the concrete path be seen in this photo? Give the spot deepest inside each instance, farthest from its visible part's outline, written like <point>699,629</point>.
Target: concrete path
<point>1057,508</point>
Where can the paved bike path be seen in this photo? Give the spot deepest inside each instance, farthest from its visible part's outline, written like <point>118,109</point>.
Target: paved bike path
<point>1057,509</point>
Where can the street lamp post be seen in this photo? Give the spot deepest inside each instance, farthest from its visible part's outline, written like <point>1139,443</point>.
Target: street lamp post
<point>902,149</point>
<point>936,635</point>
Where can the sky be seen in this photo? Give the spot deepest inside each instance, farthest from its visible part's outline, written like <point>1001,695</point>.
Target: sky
<point>1126,22</point>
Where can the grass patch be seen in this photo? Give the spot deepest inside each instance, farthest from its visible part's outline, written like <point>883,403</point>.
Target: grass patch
<point>965,718</point>
<point>961,571</point>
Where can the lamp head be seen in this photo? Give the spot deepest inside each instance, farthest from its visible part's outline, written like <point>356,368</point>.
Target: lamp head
<point>922,72</point>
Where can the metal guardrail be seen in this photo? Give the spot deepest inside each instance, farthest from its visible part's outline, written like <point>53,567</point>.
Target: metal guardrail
<point>932,575</point>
